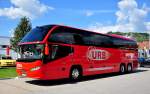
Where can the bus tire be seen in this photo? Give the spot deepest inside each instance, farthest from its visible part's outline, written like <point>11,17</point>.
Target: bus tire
<point>122,69</point>
<point>75,73</point>
<point>129,68</point>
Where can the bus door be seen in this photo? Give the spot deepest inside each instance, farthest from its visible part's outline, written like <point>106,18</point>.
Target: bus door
<point>59,60</point>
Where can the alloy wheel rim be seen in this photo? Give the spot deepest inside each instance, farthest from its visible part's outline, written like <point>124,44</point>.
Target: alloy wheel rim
<point>75,73</point>
<point>122,69</point>
<point>129,68</point>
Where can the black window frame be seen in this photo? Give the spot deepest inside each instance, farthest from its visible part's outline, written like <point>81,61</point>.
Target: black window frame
<point>37,34</point>
<point>124,43</point>
<point>69,39</point>
<point>57,52</point>
<point>86,38</point>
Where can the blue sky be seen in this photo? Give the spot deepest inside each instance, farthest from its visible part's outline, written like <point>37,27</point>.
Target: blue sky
<point>97,15</point>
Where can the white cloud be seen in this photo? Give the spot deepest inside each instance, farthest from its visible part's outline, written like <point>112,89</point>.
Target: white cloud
<point>148,26</point>
<point>126,5</point>
<point>11,32</point>
<point>93,12</point>
<point>129,13</point>
<point>14,12</point>
<point>104,29</point>
<point>130,18</point>
<point>101,29</point>
<point>97,27</point>
<point>29,8</point>
<point>89,13</point>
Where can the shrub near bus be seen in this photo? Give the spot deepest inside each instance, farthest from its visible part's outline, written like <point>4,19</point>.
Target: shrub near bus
<point>55,52</point>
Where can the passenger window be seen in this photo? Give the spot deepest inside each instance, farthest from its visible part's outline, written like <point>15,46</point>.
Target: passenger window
<point>62,38</point>
<point>61,35</point>
<point>97,40</point>
<point>78,39</point>
<point>59,51</point>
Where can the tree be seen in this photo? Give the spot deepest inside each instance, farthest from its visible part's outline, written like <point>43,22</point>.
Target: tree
<point>22,28</point>
<point>140,37</point>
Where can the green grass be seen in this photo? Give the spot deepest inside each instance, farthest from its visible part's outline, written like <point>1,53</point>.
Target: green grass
<point>8,72</point>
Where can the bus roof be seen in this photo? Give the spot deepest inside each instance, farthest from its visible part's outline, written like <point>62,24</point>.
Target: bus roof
<point>122,37</point>
<point>56,26</point>
<point>111,35</point>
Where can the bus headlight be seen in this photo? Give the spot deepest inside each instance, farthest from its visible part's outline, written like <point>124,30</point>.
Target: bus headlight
<point>35,68</point>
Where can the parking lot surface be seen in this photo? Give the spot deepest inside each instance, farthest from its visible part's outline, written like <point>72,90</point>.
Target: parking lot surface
<point>137,82</point>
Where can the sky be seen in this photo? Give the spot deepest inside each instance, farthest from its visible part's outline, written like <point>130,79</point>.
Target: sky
<point>95,15</point>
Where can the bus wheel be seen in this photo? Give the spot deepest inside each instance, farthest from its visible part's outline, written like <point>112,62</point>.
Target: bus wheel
<point>75,73</point>
<point>122,69</point>
<point>129,68</point>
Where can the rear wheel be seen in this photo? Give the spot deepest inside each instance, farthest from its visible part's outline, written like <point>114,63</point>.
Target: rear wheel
<point>122,69</point>
<point>75,74</point>
<point>129,68</point>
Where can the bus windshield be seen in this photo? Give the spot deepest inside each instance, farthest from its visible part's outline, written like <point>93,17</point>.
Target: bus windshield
<point>37,34</point>
<point>31,51</point>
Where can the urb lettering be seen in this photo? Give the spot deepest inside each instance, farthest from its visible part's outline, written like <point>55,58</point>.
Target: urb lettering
<point>97,54</point>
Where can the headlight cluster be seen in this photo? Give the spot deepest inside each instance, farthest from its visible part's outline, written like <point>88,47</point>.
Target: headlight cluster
<point>35,68</point>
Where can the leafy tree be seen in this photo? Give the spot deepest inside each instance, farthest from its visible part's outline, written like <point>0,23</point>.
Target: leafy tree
<point>22,28</point>
<point>138,36</point>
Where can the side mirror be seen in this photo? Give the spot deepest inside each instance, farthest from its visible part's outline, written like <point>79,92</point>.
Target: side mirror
<point>46,49</point>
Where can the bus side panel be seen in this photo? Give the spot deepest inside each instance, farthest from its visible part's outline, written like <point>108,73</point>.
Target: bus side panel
<point>112,61</point>
<point>80,58</point>
<point>91,66</point>
<point>130,56</point>
<point>57,69</point>
<point>135,61</point>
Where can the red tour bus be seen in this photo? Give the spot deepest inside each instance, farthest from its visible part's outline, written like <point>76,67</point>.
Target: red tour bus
<point>55,52</point>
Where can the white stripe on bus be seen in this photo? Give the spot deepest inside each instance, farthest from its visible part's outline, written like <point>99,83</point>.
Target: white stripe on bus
<point>100,68</point>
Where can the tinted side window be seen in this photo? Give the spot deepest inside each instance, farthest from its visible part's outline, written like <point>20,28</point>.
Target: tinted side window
<point>130,44</point>
<point>124,43</point>
<point>96,40</point>
<point>37,34</point>
<point>58,51</point>
<point>78,39</point>
<point>101,40</point>
<point>88,38</point>
<point>61,35</point>
<point>118,42</point>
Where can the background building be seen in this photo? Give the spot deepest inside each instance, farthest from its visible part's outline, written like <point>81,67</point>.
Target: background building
<point>4,43</point>
<point>144,49</point>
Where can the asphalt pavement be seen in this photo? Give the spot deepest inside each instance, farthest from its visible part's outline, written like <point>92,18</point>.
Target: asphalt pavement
<point>137,82</point>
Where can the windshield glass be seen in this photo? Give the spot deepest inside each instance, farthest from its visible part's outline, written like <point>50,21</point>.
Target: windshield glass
<point>32,51</point>
<point>37,34</point>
